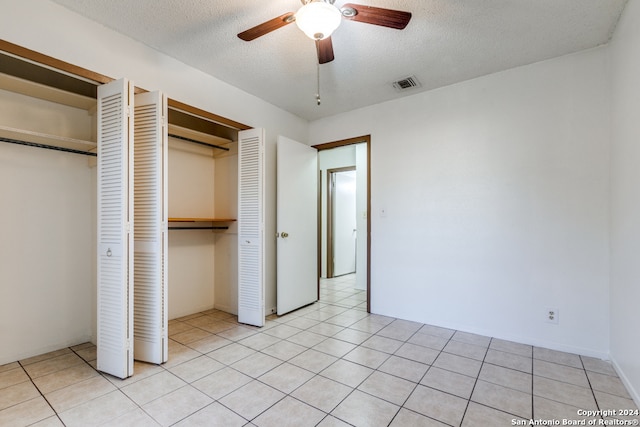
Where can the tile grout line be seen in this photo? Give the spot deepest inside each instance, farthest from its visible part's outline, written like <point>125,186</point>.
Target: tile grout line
<point>593,393</point>
<point>475,383</point>
<point>533,406</point>
<point>42,394</point>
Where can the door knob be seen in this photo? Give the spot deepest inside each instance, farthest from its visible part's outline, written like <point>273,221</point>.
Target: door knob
<point>284,234</point>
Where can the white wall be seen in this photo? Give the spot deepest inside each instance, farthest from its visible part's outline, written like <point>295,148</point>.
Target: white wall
<point>50,29</point>
<point>496,193</point>
<point>625,202</point>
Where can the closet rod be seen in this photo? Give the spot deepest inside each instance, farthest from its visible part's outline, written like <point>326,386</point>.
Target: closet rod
<point>48,147</point>
<point>199,228</point>
<point>198,142</point>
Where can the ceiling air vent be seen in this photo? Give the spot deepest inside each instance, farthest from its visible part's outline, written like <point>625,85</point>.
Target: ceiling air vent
<point>406,83</point>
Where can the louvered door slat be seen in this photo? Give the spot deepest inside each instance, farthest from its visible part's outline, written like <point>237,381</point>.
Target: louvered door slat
<point>114,308</point>
<point>251,227</point>
<point>150,213</point>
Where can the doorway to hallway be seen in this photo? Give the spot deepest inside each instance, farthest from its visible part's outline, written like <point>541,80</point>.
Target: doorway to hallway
<point>354,154</point>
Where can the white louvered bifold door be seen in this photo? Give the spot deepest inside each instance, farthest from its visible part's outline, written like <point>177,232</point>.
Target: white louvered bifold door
<point>115,220</point>
<point>150,232</point>
<point>251,227</point>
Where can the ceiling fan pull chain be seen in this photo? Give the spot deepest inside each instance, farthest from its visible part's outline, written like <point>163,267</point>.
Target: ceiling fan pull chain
<point>318,82</point>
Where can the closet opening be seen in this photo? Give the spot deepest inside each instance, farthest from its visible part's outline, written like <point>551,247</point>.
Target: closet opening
<point>202,199</point>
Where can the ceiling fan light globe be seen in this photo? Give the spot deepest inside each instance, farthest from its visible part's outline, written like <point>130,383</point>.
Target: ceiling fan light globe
<point>318,19</point>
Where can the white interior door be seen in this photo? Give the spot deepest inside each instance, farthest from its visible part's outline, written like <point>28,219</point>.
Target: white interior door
<point>344,222</point>
<point>297,225</point>
<point>115,222</point>
<point>150,328</point>
<point>251,227</point>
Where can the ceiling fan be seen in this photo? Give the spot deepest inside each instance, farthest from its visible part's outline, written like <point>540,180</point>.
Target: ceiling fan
<point>319,18</point>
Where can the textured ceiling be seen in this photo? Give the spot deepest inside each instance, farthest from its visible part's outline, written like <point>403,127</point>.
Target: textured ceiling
<point>447,41</point>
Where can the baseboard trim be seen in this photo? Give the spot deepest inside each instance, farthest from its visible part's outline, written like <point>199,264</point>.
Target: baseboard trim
<point>625,380</point>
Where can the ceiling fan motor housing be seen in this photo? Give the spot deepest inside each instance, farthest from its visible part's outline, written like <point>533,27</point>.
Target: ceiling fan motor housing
<point>325,1</point>
<point>318,19</point>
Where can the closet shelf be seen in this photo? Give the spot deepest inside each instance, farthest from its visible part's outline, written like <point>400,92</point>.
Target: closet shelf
<point>47,139</point>
<point>216,223</point>
<point>201,220</point>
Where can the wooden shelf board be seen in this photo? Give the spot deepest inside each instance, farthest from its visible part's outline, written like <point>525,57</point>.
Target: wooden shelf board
<point>48,93</point>
<point>201,220</point>
<point>46,139</point>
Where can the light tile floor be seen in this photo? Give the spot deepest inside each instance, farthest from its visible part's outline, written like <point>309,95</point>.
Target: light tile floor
<point>328,364</point>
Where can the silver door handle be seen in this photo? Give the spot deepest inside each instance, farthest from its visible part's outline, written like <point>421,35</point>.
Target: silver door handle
<point>284,234</point>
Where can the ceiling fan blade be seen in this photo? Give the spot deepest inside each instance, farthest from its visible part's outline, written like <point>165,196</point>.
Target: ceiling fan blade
<point>267,27</point>
<point>378,16</point>
<point>325,50</point>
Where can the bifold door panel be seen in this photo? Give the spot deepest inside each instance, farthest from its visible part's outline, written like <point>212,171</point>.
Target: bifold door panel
<point>115,220</point>
<point>132,228</point>
<point>150,228</point>
<point>251,227</point>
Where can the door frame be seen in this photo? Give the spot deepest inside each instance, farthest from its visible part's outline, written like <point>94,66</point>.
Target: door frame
<point>329,213</point>
<point>366,139</point>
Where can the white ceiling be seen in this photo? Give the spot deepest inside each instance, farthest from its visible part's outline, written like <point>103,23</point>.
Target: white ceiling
<point>447,41</point>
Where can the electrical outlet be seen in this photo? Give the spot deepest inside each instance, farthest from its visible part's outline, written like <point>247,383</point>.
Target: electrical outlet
<point>552,315</point>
